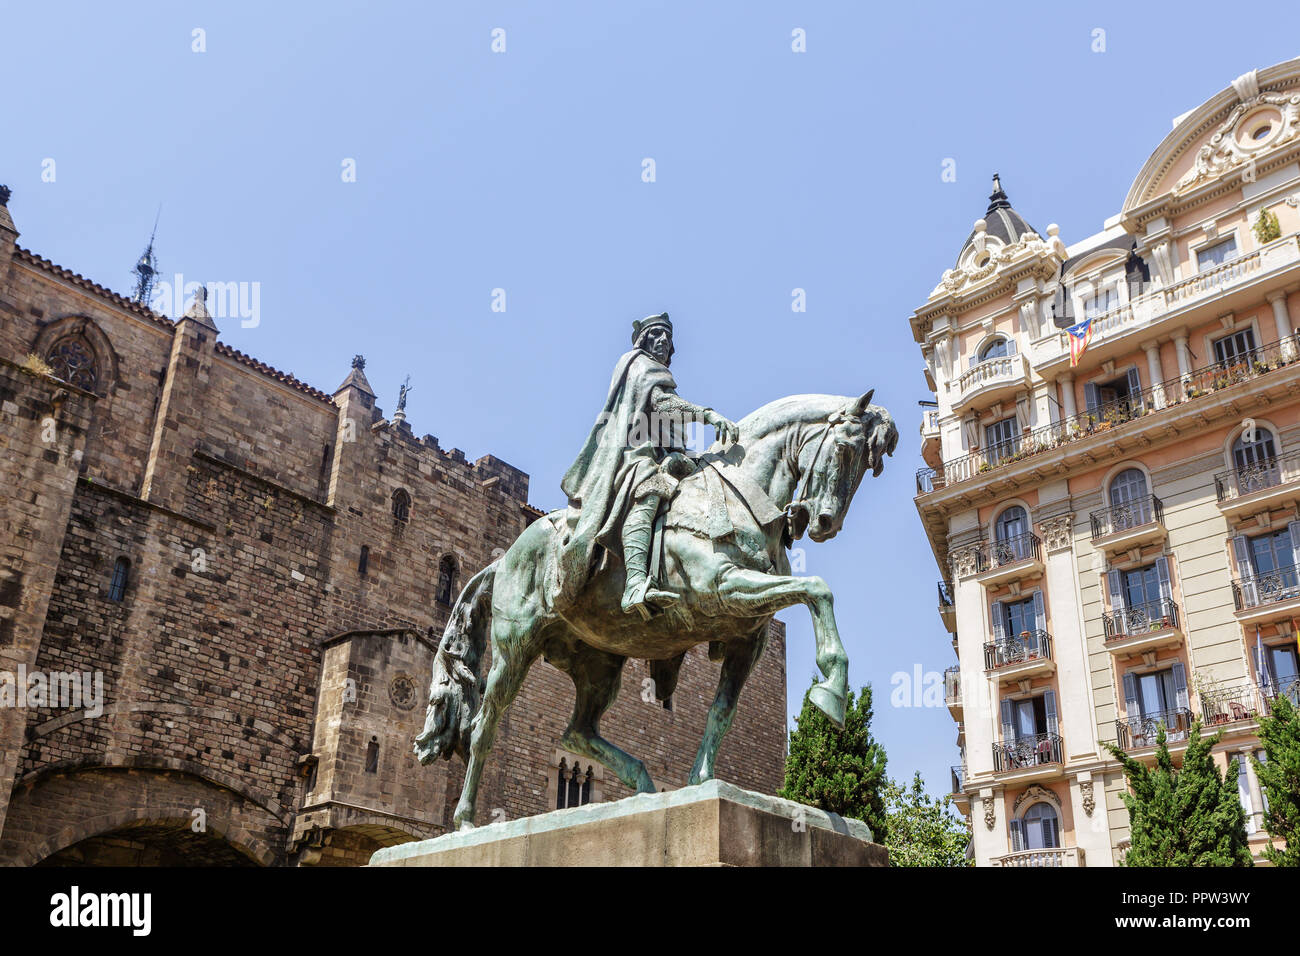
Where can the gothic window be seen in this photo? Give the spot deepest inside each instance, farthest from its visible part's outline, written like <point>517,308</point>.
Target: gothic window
<point>401,505</point>
<point>364,562</point>
<point>446,580</point>
<point>73,360</point>
<point>372,755</point>
<point>573,786</point>
<point>121,572</point>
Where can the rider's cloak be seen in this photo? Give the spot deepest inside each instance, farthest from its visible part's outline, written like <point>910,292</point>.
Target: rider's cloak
<point>620,453</point>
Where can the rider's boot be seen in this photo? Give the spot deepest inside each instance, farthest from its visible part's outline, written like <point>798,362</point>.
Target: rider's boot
<point>638,528</point>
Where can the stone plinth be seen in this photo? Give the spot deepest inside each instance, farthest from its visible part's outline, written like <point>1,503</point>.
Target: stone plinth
<point>712,824</point>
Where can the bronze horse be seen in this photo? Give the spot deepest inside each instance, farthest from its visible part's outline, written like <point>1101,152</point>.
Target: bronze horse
<point>795,467</point>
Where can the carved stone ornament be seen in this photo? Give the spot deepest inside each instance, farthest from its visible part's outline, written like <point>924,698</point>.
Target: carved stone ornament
<point>1028,244</point>
<point>963,561</point>
<point>1033,795</point>
<point>990,813</point>
<point>1089,803</point>
<point>1057,532</point>
<point>1232,144</point>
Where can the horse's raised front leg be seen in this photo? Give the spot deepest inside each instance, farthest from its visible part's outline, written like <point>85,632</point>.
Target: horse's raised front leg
<point>741,656</point>
<point>753,592</point>
<point>597,675</point>
<point>511,659</point>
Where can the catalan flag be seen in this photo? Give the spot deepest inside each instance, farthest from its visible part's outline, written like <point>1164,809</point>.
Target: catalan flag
<point>1080,336</point>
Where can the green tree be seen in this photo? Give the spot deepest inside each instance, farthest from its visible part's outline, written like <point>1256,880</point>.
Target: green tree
<point>841,771</point>
<point>922,831</point>
<point>1279,778</point>
<point>1186,817</point>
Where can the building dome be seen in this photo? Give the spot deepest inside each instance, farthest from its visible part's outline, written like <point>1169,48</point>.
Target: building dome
<point>1000,222</point>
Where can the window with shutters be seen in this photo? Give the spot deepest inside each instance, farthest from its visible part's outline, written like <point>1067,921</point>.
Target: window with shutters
<point>1012,523</point>
<point>1217,254</point>
<point>1277,671</point>
<point>1019,632</point>
<point>998,348</point>
<point>1255,458</point>
<point>1100,302</point>
<point>1115,400</point>
<point>1243,793</point>
<point>1153,699</point>
<point>1001,440</point>
<point>1038,829</point>
<point>1234,348</point>
<point>1141,599</point>
<point>1266,567</point>
<point>1030,733</point>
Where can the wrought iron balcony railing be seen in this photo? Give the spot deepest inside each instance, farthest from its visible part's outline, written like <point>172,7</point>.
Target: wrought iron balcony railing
<point>1262,475</point>
<point>1024,647</point>
<point>1229,703</point>
<point>996,554</point>
<point>1025,752</point>
<point>1126,517</point>
<point>1139,731</point>
<point>1288,687</point>
<point>1140,619</point>
<point>1268,587</point>
<point>1096,421</point>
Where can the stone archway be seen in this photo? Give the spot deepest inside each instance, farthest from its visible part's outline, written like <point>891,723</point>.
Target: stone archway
<point>125,815</point>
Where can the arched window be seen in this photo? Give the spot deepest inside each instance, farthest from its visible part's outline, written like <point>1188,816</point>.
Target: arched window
<point>73,360</point>
<point>573,786</point>
<point>121,574</point>
<point>1260,452</point>
<point>1011,523</point>
<point>995,349</point>
<point>401,505</point>
<point>1041,829</point>
<point>1128,486</point>
<point>446,580</point>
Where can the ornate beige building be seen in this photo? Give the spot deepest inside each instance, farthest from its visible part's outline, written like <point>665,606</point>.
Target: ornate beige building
<point>1118,539</point>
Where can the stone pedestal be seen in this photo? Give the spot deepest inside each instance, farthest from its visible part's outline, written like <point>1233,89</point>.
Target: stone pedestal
<point>712,824</point>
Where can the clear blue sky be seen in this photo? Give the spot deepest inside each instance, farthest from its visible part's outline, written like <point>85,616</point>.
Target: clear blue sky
<point>522,171</point>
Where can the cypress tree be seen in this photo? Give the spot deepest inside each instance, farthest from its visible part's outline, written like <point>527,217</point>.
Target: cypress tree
<point>1279,778</point>
<point>1185,817</point>
<point>840,771</point>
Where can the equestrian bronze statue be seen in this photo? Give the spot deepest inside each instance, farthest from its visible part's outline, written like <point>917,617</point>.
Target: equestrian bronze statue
<point>658,551</point>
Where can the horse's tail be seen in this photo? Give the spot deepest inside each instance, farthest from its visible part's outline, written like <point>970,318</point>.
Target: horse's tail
<point>456,688</point>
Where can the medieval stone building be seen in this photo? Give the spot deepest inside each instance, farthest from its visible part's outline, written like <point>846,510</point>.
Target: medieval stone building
<point>220,591</point>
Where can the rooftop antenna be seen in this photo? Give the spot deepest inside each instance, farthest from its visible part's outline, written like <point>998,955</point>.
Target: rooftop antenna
<point>146,269</point>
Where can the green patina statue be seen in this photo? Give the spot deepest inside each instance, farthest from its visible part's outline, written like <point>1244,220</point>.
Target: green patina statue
<point>657,551</point>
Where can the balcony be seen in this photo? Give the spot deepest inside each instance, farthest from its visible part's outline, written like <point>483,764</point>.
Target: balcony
<point>960,798</point>
<point>1139,732</point>
<point>1026,655</point>
<point>992,379</point>
<point>1270,596</point>
<point>1100,425</point>
<point>952,691</point>
<point>1129,525</point>
<point>1009,559</point>
<point>1230,704</point>
<point>947,608</point>
<point>1260,486</point>
<point>1053,856</point>
<point>1231,285</point>
<point>1032,758</point>
<point>1142,627</point>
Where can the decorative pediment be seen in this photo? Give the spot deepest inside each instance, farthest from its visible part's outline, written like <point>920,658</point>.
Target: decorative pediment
<point>1255,126</point>
<point>969,274</point>
<point>1034,794</point>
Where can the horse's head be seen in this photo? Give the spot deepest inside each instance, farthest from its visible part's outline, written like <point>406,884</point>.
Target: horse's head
<point>856,438</point>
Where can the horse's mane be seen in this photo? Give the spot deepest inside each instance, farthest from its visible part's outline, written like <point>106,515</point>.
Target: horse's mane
<point>793,408</point>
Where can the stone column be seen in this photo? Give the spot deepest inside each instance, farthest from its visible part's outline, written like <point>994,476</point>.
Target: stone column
<point>1157,376</point>
<point>1068,409</point>
<point>1256,793</point>
<point>1283,320</point>
<point>1184,362</point>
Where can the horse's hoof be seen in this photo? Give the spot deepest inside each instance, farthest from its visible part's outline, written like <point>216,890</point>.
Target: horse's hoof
<point>463,825</point>
<point>829,703</point>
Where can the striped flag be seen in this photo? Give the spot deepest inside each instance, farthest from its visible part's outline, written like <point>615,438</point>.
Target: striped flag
<point>1080,336</point>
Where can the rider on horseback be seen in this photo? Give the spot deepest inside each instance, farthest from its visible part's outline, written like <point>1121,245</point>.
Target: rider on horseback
<point>631,462</point>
